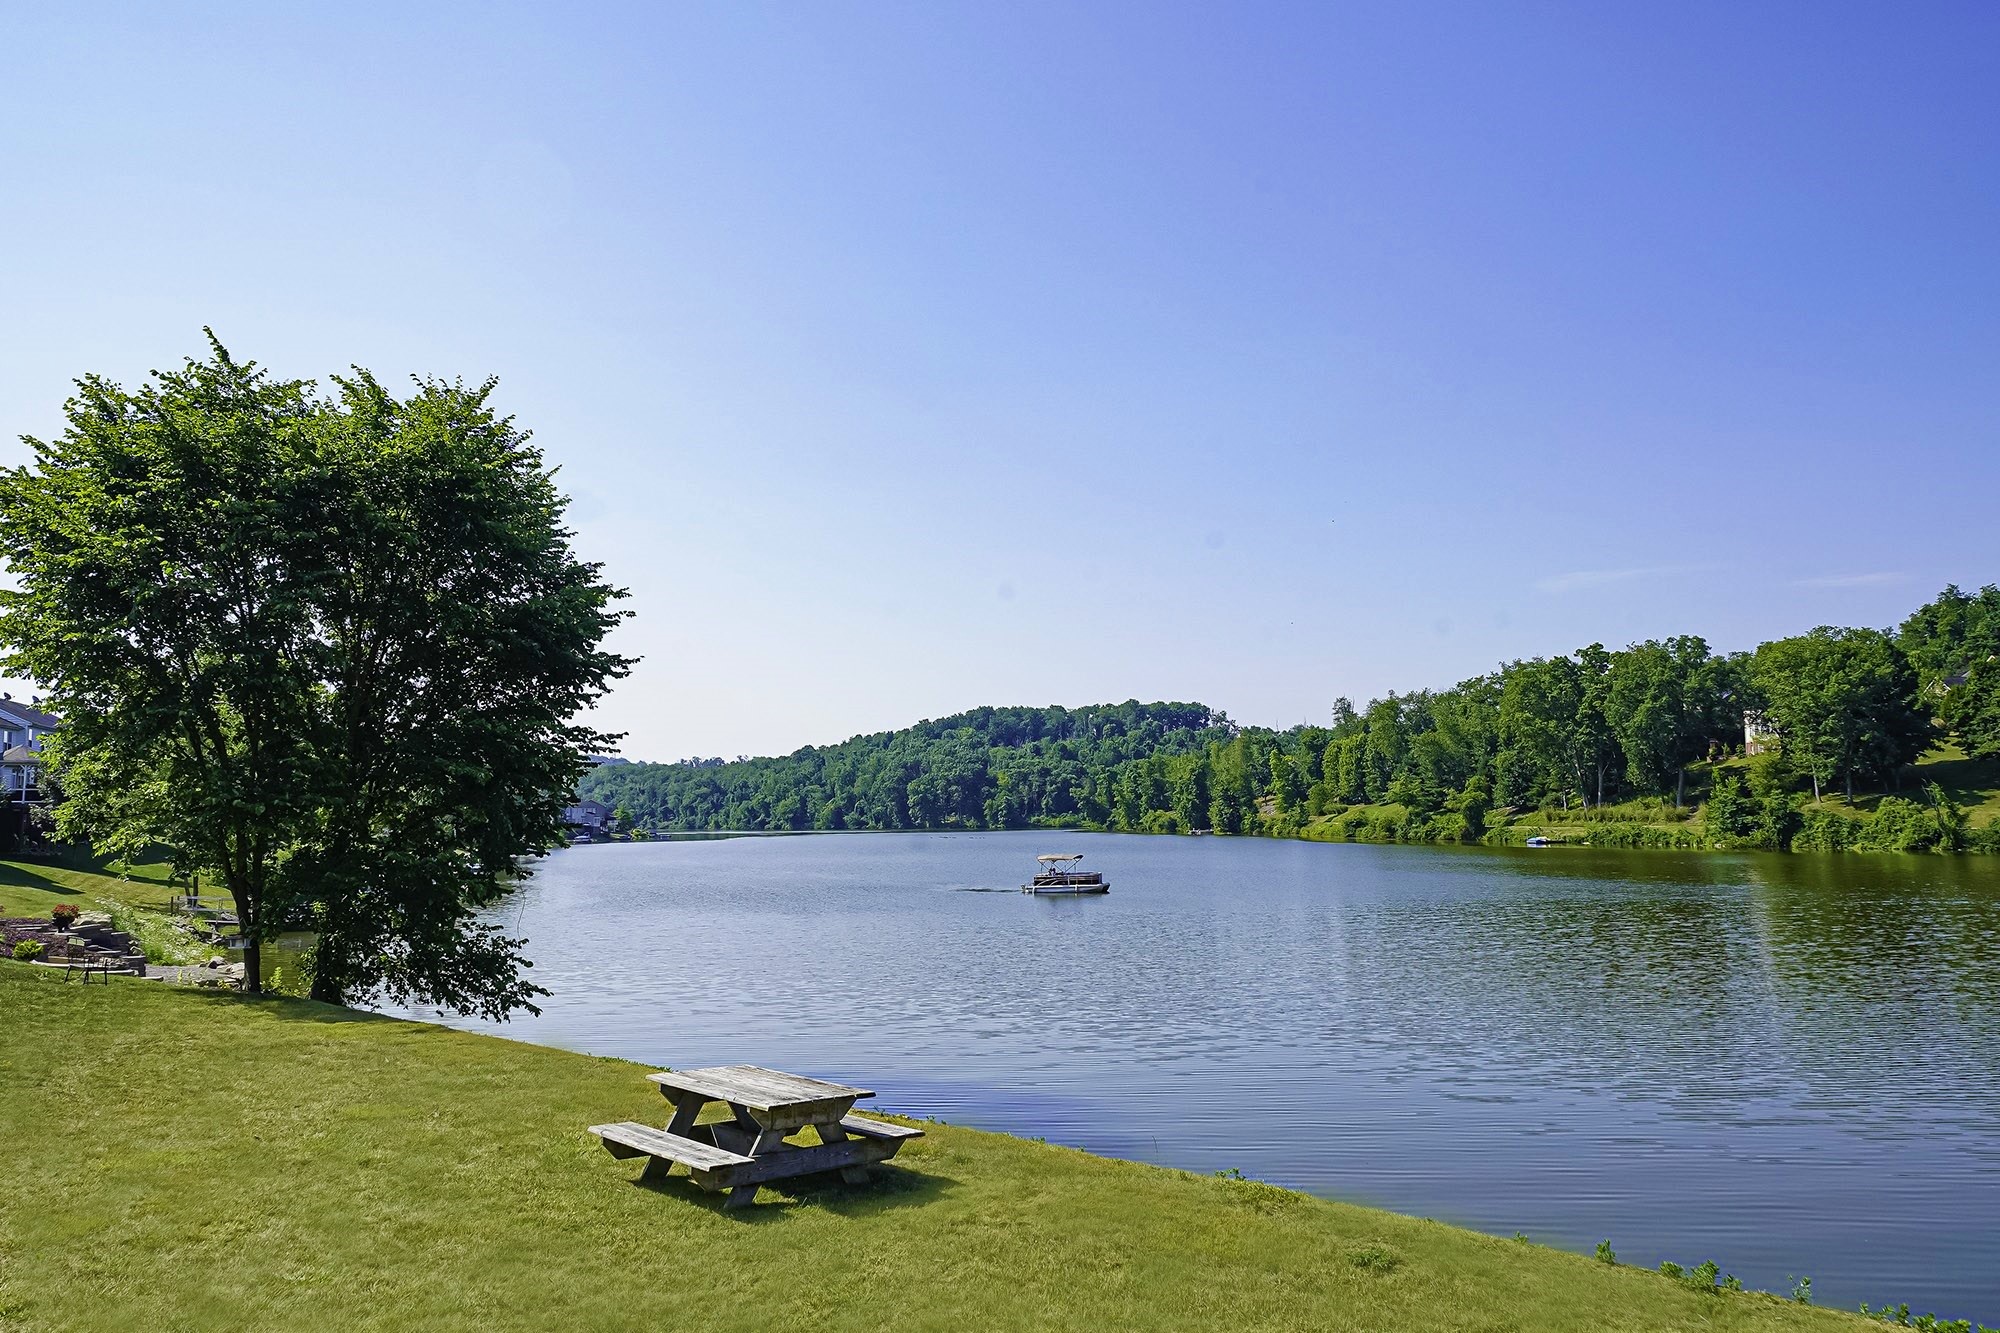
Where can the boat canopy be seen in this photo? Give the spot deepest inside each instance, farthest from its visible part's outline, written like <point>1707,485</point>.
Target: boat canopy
<point>1073,856</point>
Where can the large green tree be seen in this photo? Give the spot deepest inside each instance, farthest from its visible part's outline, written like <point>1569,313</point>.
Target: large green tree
<point>1664,707</point>
<point>1972,710</point>
<point>1952,633</point>
<point>328,648</point>
<point>1843,702</point>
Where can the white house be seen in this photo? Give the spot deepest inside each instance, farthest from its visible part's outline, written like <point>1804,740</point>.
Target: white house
<point>1757,733</point>
<point>23,727</point>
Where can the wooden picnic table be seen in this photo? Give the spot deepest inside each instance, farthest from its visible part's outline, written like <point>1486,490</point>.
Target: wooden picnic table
<point>767,1108</point>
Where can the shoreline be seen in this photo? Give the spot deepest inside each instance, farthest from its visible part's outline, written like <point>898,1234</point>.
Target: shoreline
<point>473,1138</point>
<point>1486,843</point>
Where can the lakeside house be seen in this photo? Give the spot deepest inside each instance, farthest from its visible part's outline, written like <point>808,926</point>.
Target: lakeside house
<point>23,728</point>
<point>1944,685</point>
<point>588,821</point>
<point>1757,734</point>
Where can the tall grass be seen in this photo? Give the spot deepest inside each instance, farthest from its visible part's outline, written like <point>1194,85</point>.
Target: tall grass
<point>163,939</point>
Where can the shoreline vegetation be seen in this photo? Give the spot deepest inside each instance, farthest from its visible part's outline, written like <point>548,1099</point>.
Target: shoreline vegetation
<point>402,1174</point>
<point>1834,741</point>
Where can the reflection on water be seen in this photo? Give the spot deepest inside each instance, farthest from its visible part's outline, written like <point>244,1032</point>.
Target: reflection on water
<point>1790,1064</point>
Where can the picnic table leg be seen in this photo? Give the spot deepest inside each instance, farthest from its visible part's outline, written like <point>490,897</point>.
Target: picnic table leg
<point>742,1196</point>
<point>764,1139</point>
<point>831,1132</point>
<point>685,1112</point>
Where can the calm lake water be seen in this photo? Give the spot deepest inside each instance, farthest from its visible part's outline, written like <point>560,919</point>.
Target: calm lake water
<point>1788,1064</point>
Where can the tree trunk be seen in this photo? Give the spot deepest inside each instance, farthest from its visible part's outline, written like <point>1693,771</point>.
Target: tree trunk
<point>1815,774</point>
<point>1850,785</point>
<point>325,988</point>
<point>1680,787</point>
<point>329,984</point>
<point>253,966</point>
<point>1600,786</point>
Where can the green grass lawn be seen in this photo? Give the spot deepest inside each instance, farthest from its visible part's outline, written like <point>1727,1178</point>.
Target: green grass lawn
<point>1972,783</point>
<point>179,1160</point>
<point>31,888</point>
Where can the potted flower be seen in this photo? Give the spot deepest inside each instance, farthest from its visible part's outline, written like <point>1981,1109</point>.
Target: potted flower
<point>64,915</point>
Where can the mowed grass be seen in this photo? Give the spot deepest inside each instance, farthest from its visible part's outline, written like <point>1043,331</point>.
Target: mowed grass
<point>179,1160</point>
<point>31,888</point>
<point>1972,783</point>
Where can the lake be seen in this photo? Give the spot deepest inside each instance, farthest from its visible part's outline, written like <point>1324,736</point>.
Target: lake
<point>1788,1064</point>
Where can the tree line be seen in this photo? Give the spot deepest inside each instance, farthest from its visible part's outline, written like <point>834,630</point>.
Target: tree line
<point>1836,709</point>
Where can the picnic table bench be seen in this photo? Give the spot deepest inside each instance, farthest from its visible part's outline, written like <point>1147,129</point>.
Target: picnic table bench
<point>750,1148</point>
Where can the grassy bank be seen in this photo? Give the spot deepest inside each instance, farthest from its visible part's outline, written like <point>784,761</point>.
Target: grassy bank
<point>1655,822</point>
<point>178,1160</point>
<point>31,888</point>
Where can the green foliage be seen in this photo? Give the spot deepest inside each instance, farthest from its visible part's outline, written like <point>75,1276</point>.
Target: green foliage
<point>1133,766</point>
<point>1972,710</point>
<point>1952,634</point>
<point>324,648</point>
<point>1605,1254</point>
<point>1750,812</point>
<point>1900,1316</point>
<point>162,938</point>
<point>1843,702</point>
<point>28,951</point>
<point>1897,825</point>
<point>1613,743</point>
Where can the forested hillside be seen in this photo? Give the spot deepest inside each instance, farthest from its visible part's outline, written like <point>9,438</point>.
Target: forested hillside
<point>1841,712</point>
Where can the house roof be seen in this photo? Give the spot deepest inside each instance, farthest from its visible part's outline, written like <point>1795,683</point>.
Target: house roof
<point>21,754</point>
<point>28,715</point>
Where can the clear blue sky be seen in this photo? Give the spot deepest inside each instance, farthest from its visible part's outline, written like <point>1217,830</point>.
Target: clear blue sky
<point>904,358</point>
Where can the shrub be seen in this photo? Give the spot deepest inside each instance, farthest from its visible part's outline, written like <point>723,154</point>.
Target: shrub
<point>1375,1259</point>
<point>28,951</point>
<point>1823,830</point>
<point>162,939</point>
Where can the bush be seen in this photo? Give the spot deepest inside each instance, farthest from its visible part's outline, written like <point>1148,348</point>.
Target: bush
<point>162,939</point>
<point>1823,830</point>
<point>28,951</point>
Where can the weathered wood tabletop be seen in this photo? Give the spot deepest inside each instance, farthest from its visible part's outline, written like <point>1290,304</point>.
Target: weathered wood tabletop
<point>766,1107</point>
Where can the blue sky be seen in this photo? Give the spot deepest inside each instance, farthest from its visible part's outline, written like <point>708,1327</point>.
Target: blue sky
<point>904,358</point>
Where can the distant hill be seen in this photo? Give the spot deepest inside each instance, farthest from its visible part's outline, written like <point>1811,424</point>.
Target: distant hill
<point>987,768</point>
